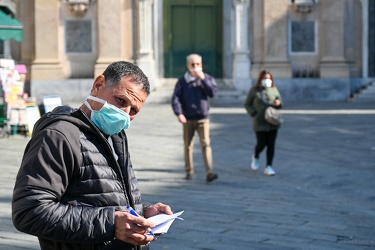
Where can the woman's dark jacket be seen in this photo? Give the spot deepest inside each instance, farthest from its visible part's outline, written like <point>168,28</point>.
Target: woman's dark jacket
<point>256,102</point>
<point>70,184</point>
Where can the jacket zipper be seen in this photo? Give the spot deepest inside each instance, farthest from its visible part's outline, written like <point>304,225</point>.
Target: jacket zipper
<point>113,159</point>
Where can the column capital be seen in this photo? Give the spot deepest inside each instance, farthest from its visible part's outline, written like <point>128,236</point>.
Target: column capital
<point>240,2</point>
<point>146,1</point>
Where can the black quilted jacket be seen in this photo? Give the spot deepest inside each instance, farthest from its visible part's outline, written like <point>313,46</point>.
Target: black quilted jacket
<point>70,184</point>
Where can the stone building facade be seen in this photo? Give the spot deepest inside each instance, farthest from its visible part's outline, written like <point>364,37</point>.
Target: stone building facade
<point>317,50</point>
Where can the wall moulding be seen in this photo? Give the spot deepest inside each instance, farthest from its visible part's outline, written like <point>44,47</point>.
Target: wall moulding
<point>78,7</point>
<point>303,6</point>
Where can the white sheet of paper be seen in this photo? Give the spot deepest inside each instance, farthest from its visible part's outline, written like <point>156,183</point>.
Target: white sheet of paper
<point>163,222</point>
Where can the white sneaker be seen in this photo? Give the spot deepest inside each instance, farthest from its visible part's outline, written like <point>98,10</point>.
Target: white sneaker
<point>254,163</point>
<point>269,171</point>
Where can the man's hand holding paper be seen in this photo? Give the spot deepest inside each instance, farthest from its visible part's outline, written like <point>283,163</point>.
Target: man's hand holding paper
<point>163,222</point>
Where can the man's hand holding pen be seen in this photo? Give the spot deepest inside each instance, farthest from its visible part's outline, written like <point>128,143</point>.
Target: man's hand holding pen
<point>135,229</point>
<point>132,229</point>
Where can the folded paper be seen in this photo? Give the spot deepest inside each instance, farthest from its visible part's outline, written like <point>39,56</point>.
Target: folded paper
<point>163,222</point>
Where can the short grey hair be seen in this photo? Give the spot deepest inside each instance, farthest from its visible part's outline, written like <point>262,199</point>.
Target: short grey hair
<point>117,70</point>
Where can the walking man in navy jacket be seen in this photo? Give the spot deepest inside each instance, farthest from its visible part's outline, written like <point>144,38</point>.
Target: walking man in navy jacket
<point>191,105</point>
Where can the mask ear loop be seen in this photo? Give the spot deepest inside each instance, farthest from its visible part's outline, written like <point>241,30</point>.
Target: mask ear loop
<point>87,104</point>
<point>94,99</point>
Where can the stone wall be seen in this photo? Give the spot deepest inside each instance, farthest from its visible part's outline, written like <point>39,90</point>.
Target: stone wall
<point>73,90</point>
<point>313,90</point>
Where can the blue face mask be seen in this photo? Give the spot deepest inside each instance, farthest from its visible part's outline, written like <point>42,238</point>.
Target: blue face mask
<point>109,119</point>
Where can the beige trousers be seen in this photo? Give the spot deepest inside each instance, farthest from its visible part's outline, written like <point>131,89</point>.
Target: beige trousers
<point>203,129</point>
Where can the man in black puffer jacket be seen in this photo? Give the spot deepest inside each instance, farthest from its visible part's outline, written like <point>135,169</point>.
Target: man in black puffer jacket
<point>76,177</point>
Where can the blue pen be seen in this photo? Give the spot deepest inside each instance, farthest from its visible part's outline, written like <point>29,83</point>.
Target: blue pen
<point>133,212</point>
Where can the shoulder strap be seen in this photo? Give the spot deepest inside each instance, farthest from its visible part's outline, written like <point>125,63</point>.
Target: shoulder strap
<point>262,98</point>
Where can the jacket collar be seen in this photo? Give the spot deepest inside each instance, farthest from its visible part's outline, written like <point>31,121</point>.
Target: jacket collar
<point>188,77</point>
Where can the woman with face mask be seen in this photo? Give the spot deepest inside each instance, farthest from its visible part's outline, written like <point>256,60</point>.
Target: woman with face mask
<point>263,94</point>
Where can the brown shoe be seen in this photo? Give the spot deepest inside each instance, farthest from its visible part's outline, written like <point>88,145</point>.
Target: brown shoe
<point>211,177</point>
<point>188,177</point>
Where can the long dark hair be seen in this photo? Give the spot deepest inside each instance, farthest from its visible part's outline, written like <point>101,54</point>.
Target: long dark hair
<point>261,75</point>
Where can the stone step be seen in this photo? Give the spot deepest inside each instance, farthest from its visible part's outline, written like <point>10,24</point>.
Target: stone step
<point>367,94</point>
<point>226,94</point>
<point>229,97</point>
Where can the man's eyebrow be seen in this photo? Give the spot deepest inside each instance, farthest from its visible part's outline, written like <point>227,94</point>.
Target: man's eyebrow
<point>132,101</point>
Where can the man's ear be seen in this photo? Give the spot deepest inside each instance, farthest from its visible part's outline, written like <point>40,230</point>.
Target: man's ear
<point>98,83</point>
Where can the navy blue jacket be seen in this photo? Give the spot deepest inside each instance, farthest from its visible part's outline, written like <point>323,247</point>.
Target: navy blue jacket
<point>190,98</point>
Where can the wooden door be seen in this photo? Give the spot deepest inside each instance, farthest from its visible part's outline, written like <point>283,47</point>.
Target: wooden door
<point>192,26</point>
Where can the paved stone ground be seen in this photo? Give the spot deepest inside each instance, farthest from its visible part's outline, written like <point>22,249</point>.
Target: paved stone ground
<point>323,196</point>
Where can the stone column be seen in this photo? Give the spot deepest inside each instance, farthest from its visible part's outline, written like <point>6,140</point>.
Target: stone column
<point>365,28</point>
<point>114,33</point>
<point>47,63</point>
<point>275,25</point>
<point>241,61</point>
<point>7,49</point>
<point>24,9</point>
<point>333,63</point>
<point>257,34</point>
<point>145,55</point>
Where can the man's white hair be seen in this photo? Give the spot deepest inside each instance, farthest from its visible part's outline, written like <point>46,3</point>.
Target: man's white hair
<point>189,57</point>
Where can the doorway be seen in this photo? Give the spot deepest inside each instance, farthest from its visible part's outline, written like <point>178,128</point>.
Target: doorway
<point>192,26</point>
<point>371,39</point>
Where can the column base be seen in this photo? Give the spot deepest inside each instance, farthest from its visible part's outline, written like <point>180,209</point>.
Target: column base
<point>277,69</point>
<point>334,70</point>
<point>47,70</point>
<point>242,84</point>
<point>147,65</point>
<point>241,71</point>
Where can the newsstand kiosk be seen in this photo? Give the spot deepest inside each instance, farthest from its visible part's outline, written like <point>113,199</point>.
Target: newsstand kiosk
<point>19,114</point>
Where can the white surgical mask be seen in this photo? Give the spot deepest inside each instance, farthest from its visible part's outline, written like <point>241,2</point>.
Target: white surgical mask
<point>267,83</point>
<point>196,69</point>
